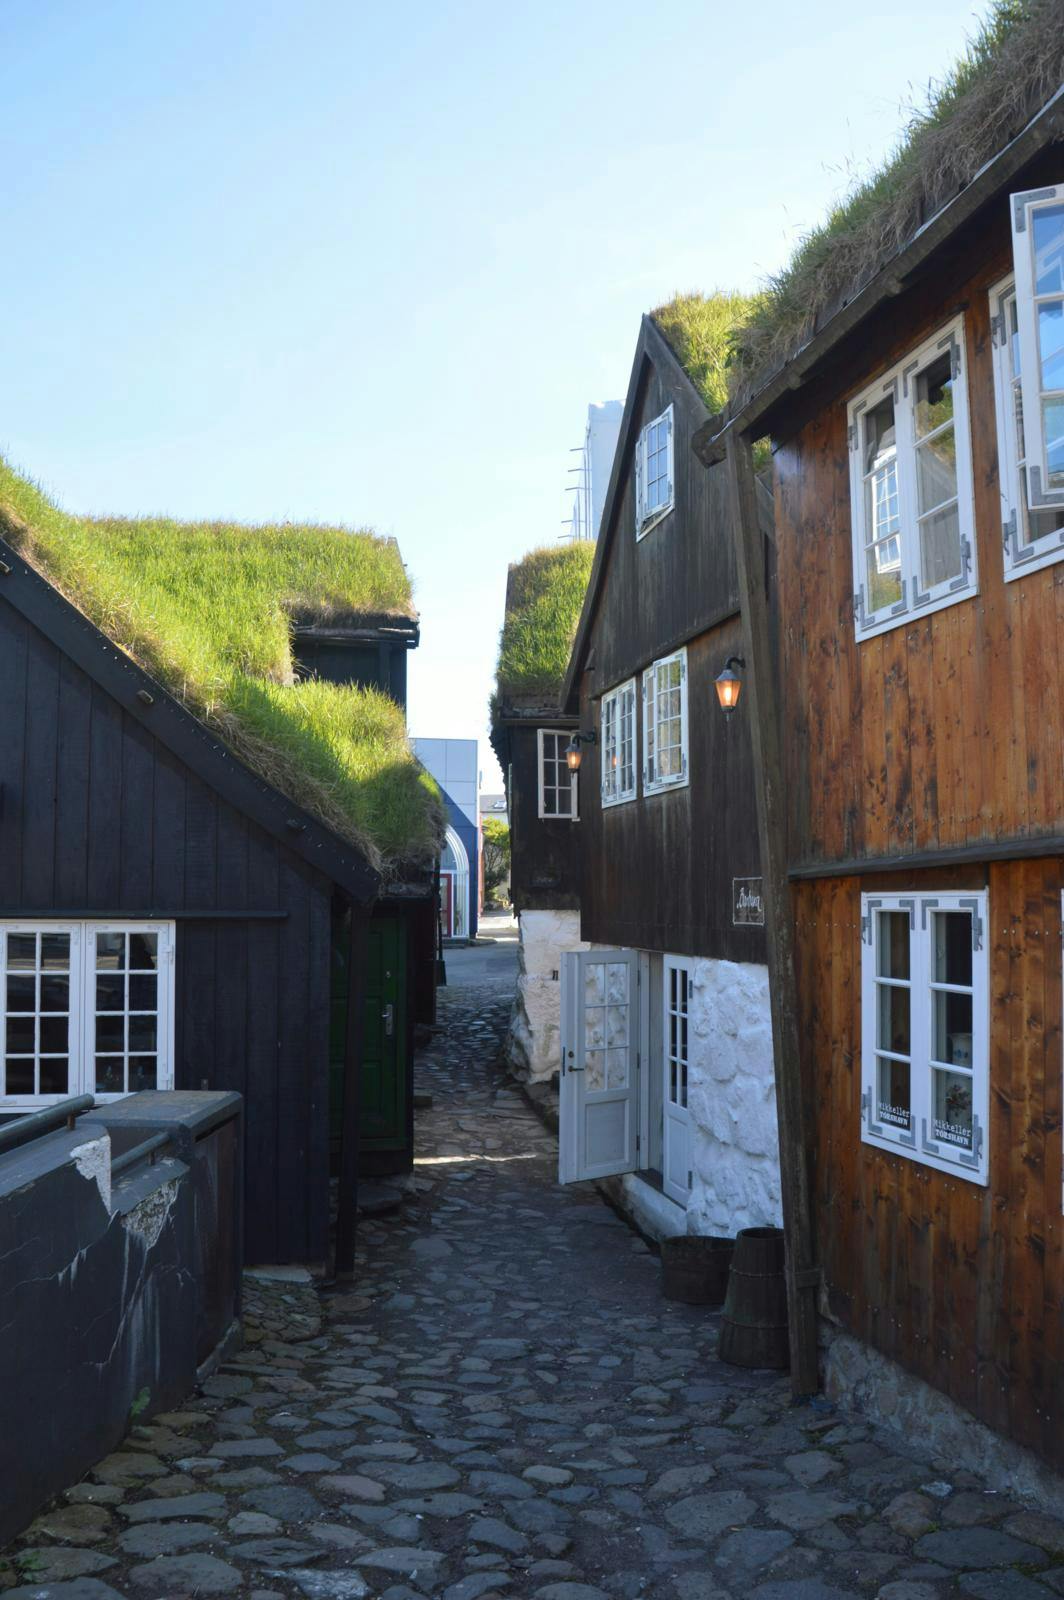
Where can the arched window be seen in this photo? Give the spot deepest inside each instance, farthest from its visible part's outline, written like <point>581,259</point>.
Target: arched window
<point>454,868</point>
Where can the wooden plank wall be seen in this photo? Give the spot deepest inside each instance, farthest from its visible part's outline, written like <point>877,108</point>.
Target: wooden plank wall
<point>545,859</point>
<point>95,815</point>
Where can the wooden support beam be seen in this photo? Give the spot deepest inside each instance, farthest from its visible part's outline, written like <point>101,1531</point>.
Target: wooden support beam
<point>347,1193</point>
<point>761,705</point>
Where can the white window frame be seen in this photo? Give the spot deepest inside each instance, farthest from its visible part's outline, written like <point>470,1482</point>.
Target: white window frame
<point>674,1107</point>
<point>899,383</point>
<point>560,734</point>
<point>1025,206</point>
<point>645,518</point>
<point>81,1054</point>
<point>618,711</point>
<point>1020,557</point>
<point>652,783</point>
<point>914,1140</point>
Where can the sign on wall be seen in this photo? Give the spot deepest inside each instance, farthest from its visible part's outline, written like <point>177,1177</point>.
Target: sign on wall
<point>748,902</point>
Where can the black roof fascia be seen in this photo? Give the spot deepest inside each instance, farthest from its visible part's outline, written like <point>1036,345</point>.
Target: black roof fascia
<point>394,630</point>
<point>710,442</point>
<point>156,709</point>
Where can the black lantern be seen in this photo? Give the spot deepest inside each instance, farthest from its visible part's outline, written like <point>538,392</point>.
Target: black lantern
<point>573,753</point>
<point>729,684</point>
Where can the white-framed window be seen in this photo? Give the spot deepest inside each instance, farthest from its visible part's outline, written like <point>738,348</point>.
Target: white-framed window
<point>665,723</point>
<point>1031,539</point>
<point>1038,256</point>
<point>911,487</point>
<point>87,1008</point>
<point>558,789</point>
<point>925,1045</point>
<point>618,769</point>
<point>654,477</point>
<point>676,1059</point>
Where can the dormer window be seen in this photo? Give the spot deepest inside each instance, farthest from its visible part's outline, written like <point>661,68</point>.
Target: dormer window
<point>654,479</point>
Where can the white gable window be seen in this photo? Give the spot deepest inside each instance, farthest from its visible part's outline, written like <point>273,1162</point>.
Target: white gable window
<point>654,493</point>
<point>925,1029</point>
<point>1032,538</point>
<point>618,770</point>
<point>557,785</point>
<point>665,723</point>
<point>911,487</point>
<point>87,1009</point>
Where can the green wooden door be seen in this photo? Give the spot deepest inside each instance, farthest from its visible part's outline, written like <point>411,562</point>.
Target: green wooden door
<point>384,1061</point>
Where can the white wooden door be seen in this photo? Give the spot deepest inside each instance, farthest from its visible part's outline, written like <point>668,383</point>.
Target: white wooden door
<point>676,1133</point>
<point>598,1104</point>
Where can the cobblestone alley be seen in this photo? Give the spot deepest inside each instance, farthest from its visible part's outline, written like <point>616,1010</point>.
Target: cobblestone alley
<point>505,1406</point>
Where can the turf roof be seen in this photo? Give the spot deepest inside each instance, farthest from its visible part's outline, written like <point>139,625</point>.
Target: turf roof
<point>1010,67</point>
<point>544,595</point>
<point>700,329</point>
<point>208,608</point>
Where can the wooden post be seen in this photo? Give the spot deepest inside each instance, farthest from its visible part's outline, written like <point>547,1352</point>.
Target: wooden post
<point>347,1193</point>
<point>760,704</point>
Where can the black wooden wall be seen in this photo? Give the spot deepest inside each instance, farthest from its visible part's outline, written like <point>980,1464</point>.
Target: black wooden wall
<point>545,852</point>
<point>97,817</point>
<point>657,871</point>
<point>372,665</point>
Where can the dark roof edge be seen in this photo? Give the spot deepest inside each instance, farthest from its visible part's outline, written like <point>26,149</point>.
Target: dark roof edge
<point>710,440</point>
<point>651,345</point>
<point>151,705</point>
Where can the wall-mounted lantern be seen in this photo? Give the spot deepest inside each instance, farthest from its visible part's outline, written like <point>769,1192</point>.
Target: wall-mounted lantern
<point>573,753</point>
<point>729,684</point>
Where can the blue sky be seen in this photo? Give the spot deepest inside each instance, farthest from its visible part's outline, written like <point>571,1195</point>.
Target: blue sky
<point>369,264</point>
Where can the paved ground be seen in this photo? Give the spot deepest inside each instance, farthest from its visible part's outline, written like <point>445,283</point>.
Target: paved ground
<point>507,1407</point>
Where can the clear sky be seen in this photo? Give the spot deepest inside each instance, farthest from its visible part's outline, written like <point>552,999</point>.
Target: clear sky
<point>334,261</point>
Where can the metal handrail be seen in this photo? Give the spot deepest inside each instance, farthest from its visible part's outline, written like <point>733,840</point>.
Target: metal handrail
<point>146,1148</point>
<point>38,1122</point>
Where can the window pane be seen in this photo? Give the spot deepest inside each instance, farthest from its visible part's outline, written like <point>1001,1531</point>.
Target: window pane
<point>882,505</point>
<point>594,1027</point>
<point>884,587</point>
<point>55,1075</point>
<point>21,952</point>
<point>142,1073</point>
<point>21,1034</point>
<point>109,1075</point>
<point>143,952</point>
<point>111,991</point>
<point>21,994</point>
<point>936,470</point>
<point>1051,343</point>
<point>894,1104</point>
<point>20,1075</point>
<point>55,993</point>
<point>893,1022</point>
<point>952,1020</point>
<point>1053,422</point>
<point>934,395</point>
<point>110,1033</point>
<point>142,993</point>
<point>616,1069</point>
<point>893,944</point>
<point>565,802</point>
<point>595,1070</point>
<point>617,987</point>
<point>953,948</point>
<point>1047,231</point>
<point>142,1033</point>
<point>878,432</point>
<point>55,1035</point>
<point>952,1120</point>
<point>111,951</point>
<point>55,952</point>
<point>940,546</point>
<point>616,1026</point>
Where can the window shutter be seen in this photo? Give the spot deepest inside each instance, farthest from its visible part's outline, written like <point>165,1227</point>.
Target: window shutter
<point>1044,488</point>
<point>639,491</point>
<point>648,728</point>
<point>668,435</point>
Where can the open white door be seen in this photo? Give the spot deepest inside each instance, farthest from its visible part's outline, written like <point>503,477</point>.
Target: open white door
<point>598,1104</point>
<point>676,1133</point>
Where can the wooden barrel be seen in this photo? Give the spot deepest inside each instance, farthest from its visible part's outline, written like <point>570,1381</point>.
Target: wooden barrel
<point>694,1268</point>
<point>754,1327</point>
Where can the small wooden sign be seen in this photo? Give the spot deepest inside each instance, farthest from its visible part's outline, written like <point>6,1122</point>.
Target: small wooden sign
<point>748,903</point>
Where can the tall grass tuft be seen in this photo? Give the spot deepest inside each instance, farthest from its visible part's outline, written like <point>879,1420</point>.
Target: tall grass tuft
<point>544,597</point>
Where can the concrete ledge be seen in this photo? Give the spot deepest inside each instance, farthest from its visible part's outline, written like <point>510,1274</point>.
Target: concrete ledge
<point>859,1378</point>
<point>649,1211</point>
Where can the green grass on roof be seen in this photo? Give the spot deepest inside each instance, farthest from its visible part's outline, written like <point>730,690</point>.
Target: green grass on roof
<point>1009,69</point>
<point>207,608</point>
<point>701,329</point>
<point>544,597</point>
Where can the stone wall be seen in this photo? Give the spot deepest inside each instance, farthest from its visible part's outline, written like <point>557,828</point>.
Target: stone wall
<point>731,1100</point>
<point>533,1047</point>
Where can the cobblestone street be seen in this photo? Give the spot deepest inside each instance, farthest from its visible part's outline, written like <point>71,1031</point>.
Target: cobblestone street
<point>506,1406</point>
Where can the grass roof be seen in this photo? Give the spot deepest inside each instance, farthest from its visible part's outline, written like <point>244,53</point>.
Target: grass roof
<point>208,608</point>
<point>1009,69</point>
<point>544,595</point>
<point>700,328</point>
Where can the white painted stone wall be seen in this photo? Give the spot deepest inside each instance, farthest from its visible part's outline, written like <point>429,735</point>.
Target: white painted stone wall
<point>731,1100</point>
<point>534,1046</point>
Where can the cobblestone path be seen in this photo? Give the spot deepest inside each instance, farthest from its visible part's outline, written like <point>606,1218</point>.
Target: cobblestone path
<point>506,1407</point>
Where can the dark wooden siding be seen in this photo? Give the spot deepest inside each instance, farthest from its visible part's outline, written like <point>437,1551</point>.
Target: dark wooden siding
<point>657,871</point>
<point>962,1285</point>
<point>545,852</point>
<point>96,816</point>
